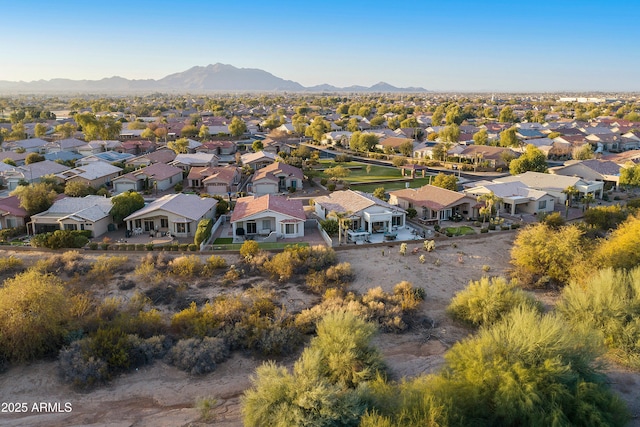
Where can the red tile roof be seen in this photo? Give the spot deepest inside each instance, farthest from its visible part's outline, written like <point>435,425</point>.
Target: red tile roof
<point>252,205</point>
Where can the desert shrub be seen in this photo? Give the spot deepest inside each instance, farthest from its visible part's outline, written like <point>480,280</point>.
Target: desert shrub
<point>620,249</point>
<point>331,186</point>
<point>145,351</point>
<point>390,311</point>
<point>161,293</point>
<point>146,272</point>
<point>214,262</point>
<point>527,369</point>
<point>198,355</point>
<point>105,266</point>
<point>485,301</point>
<point>605,217</point>
<point>337,276</point>
<point>68,263</point>
<point>608,303</point>
<point>140,246</point>
<point>85,362</point>
<point>323,181</point>
<point>93,246</point>
<point>10,263</point>
<point>192,247</point>
<point>206,405</point>
<point>269,335</point>
<point>183,247</point>
<point>149,246</point>
<point>186,266</point>
<point>553,220</point>
<point>322,390</point>
<point>232,275</point>
<point>6,234</point>
<point>249,249</point>
<point>34,312</point>
<point>281,266</point>
<point>540,251</point>
<point>429,245</point>
<point>75,367</point>
<point>113,346</point>
<point>484,230</point>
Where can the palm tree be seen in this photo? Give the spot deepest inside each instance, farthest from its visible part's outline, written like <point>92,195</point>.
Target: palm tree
<point>571,193</point>
<point>490,200</point>
<point>587,200</point>
<point>344,222</point>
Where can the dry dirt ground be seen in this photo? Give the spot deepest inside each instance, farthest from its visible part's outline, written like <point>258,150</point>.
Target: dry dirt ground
<point>161,395</point>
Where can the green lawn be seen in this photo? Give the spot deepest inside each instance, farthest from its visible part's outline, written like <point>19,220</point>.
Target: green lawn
<point>463,230</point>
<point>223,241</point>
<point>391,185</point>
<point>377,173</point>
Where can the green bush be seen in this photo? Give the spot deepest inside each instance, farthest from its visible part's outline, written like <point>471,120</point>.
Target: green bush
<point>93,246</point>
<point>193,247</point>
<point>487,300</point>
<point>608,303</point>
<point>60,239</point>
<point>203,232</point>
<point>484,230</point>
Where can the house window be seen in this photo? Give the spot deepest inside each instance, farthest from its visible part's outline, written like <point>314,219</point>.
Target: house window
<point>138,223</point>
<point>148,225</point>
<point>266,224</point>
<point>290,228</point>
<point>181,227</point>
<point>396,220</point>
<point>542,205</point>
<point>70,227</point>
<point>164,222</point>
<point>252,228</point>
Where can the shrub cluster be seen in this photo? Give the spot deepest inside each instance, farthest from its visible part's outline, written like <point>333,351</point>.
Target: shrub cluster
<point>198,355</point>
<point>390,311</point>
<point>61,239</point>
<point>297,259</point>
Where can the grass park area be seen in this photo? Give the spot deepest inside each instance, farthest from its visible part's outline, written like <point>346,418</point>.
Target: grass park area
<point>375,174</point>
<point>463,230</point>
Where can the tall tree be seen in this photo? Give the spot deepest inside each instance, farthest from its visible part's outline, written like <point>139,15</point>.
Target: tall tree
<point>443,180</point>
<point>125,204</point>
<point>507,115</point>
<point>179,146</point>
<point>237,127</point>
<point>481,137</point>
<point>317,128</point>
<point>508,138</point>
<point>35,198</point>
<point>532,160</point>
<point>40,130</point>
<point>450,133</point>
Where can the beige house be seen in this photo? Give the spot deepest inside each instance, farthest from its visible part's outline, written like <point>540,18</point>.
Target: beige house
<point>516,198</point>
<point>276,178</point>
<point>268,215</point>
<point>217,181</point>
<point>173,214</point>
<point>434,204</point>
<point>74,213</point>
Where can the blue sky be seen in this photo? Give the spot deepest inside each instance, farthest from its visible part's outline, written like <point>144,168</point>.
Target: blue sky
<point>439,45</point>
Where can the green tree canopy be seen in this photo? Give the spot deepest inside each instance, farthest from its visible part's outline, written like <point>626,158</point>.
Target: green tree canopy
<point>507,115</point>
<point>77,189</point>
<point>443,180</point>
<point>450,133</point>
<point>35,198</point>
<point>630,175</point>
<point>481,137</point>
<point>532,160</point>
<point>33,158</point>
<point>179,146</point>
<point>125,204</point>
<point>508,138</point>
<point>317,128</point>
<point>237,127</point>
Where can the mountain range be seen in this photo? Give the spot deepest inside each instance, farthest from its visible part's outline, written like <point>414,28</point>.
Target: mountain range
<point>212,78</point>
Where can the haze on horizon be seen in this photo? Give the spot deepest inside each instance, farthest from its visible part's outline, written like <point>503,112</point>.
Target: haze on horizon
<point>500,45</point>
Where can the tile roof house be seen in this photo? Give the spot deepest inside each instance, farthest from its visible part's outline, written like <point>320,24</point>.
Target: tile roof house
<point>68,144</point>
<point>494,156</point>
<point>159,156</point>
<point>187,161</point>
<point>433,204</point>
<point>268,215</point>
<point>590,170</point>
<point>94,147</point>
<point>11,213</point>
<point>517,198</point>
<point>258,159</point>
<point>555,184</point>
<point>276,178</point>
<point>75,213</point>
<point>158,177</point>
<point>94,174</point>
<point>17,158</point>
<point>32,173</point>
<point>175,214</point>
<point>216,181</point>
<point>31,145</point>
<point>366,212</point>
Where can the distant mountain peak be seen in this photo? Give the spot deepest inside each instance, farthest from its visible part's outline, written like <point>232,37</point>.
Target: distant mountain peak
<point>216,77</point>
